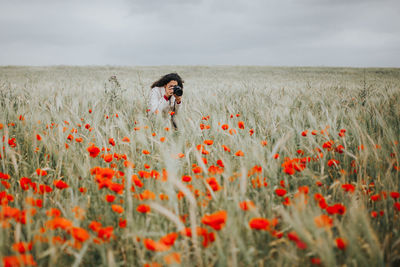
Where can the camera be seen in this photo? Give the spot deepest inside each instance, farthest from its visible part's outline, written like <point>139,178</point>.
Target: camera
<point>178,90</point>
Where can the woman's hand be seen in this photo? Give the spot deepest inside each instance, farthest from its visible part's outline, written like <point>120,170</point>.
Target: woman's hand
<point>178,99</point>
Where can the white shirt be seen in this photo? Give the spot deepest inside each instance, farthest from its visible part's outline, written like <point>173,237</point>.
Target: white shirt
<point>158,104</point>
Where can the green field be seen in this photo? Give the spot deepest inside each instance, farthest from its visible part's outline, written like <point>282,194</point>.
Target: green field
<point>270,166</point>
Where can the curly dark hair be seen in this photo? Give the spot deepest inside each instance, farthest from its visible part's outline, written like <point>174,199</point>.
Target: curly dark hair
<point>166,79</point>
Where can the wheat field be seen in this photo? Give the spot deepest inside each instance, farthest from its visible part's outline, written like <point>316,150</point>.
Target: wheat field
<point>269,166</point>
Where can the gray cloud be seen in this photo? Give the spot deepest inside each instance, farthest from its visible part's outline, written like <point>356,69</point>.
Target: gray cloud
<point>206,32</point>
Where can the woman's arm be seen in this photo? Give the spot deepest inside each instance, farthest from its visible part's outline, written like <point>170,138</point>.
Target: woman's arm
<point>157,101</point>
<point>178,103</point>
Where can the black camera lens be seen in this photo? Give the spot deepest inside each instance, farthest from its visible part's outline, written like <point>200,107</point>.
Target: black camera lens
<point>178,90</point>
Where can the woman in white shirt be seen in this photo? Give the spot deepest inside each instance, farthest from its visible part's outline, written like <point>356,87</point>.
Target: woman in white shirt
<point>162,97</point>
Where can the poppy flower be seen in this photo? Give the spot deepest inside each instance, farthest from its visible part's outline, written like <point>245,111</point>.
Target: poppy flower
<point>108,157</point>
<point>293,236</point>
<point>341,243</point>
<point>247,205</point>
<point>105,233</point>
<point>111,141</point>
<point>143,208</point>
<point>22,247</point>
<point>332,162</point>
<point>232,131</point>
<point>304,133</point>
<point>208,142</point>
<point>41,172</point>
<point>110,198</point>
<point>126,139</point>
<point>264,142</point>
<point>280,192</point>
<point>20,260</point>
<point>348,187</point>
<point>375,197</point>
<point>259,224</point>
<point>339,149</point>
<point>117,208</point>
<point>220,163</point>
<point>213,183</point>
<point>239,153</point>
<point>227,149</point>
<point>186,178</point>
<point>146,152</point>
<point>93,151</point>
<point>336,209</point>
<point>169,239</point>
<point>241,125</point>
<point>197,169</point>
<point>225,127</point>
<point>154,245</point>
<point>80,234</point>
<point>323,221</point>
<point>11,142</point>
<point>395,195</point>
<point>59,222</point>
<point>95,226</point>
<point>216,220</point>
<point>122,223</point>
<point>60,184</point>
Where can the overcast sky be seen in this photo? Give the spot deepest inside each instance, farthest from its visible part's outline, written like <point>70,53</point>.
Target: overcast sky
<point>359,33</point>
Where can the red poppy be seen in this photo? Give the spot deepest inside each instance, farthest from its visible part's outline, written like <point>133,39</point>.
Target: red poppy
<point>280,192</point>
<point>143,208</point>
<point>111,141</point>
<point>227,149</point>
<point>126,139</point>
<point>117,208</point>
<point>22,247</point>
<point>186,178</point>
<point>60,184</point>
<point>259,224</point>
<point>213,183</point>
<point>323,221</point>
<point>239,153</point>
<point>348,187</point>
<point>154,245</point>
<point>340,243</point>
<point>80,234</point>
<point>110,198</point>
<point>216,220</point>
<point>20,260</point>
<point>247,205</point>
<point>108,157</point>
<point>208,142</point>
<point>41,172</point>
<point>395,195</point>
<point>93,150</point>
<point>169,239</point>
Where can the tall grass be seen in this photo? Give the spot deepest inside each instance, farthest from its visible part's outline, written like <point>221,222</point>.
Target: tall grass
<point>277,103</point>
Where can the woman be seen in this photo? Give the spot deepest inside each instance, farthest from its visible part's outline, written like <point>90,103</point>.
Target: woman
<point>162,97</point>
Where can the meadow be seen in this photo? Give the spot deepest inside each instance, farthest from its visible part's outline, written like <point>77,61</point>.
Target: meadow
<point>270,166</point>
